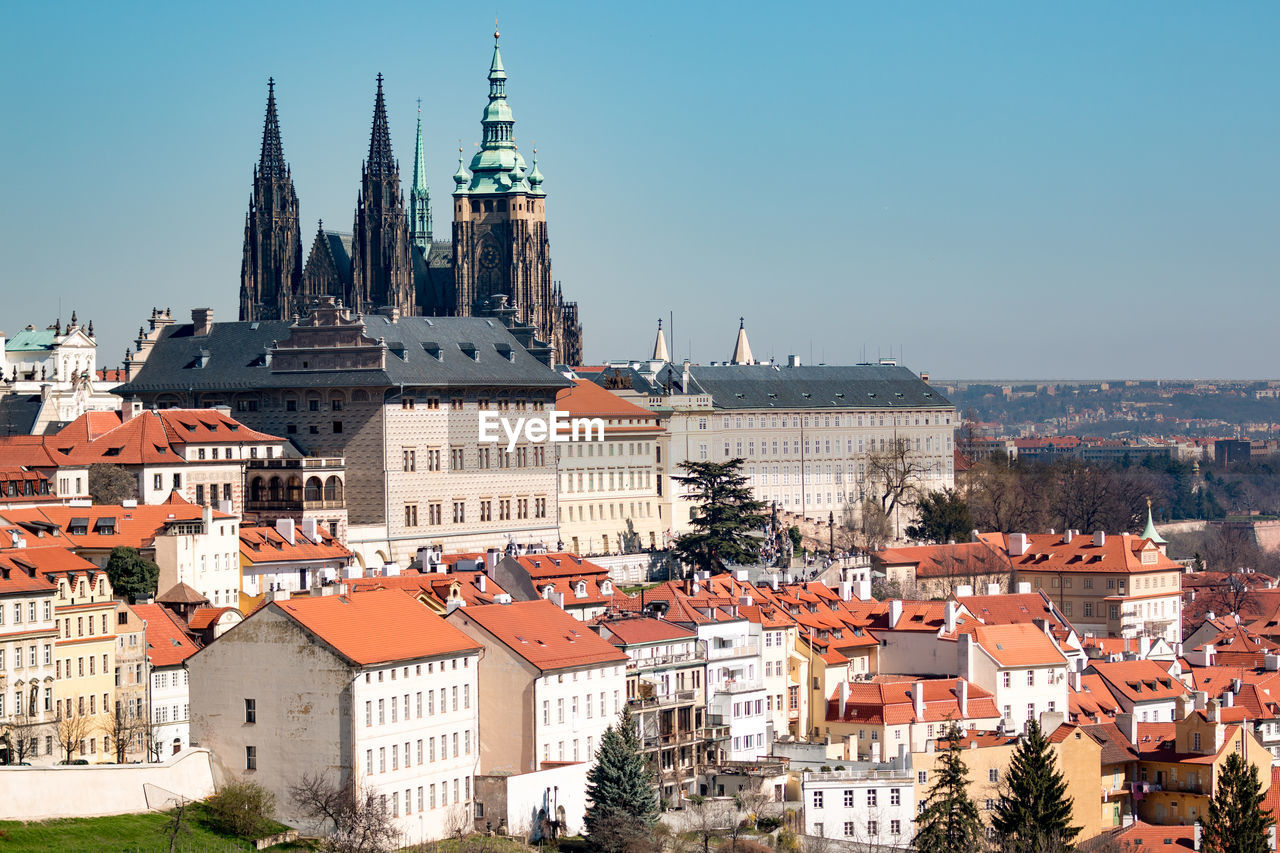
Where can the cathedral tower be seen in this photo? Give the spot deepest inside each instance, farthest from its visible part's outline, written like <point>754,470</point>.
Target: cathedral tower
<point>500,244</point>
<point>420,195</point>
<point>381,269</point>
<point>271,268</point>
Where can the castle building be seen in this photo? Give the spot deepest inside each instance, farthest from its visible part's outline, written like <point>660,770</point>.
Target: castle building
<point>391,258</point>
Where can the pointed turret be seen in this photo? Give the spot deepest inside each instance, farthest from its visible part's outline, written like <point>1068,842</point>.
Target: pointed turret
<point>742,349</point>
<point>271,263</point>
<point>660,352</point>
<point>381,162</point>
<point>271,164</point>
<point>1151,533</point>
<point>420,195</point>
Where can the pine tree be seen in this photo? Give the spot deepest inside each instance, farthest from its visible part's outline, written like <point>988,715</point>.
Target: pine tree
<point>724,519</point>
<point>1236,821</point>
<point>624,801</point>
<point>131,574</point>
<point>1034,811</point>
<point>950,819</point>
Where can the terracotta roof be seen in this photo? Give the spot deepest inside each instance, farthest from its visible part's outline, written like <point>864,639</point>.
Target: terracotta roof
<point>1139,680</point>
<point>587,399</point>
<point>376,627</point>
<point>31,451</point>
<point>436,585</point>
<point>1092,700</point>
<point>1116,748</point>
<point>180,593</point>
<point>49,559</point>
<point>1143,836</point>
<point>269,545</point>
<point>150,437</point>
<point>1012,608</point>
<point>640,629</point>
<point>931,561</point>
<point>892,702</point>
<point>108,526</point>
<point>1119,553</point>
<point>205,617</point>
<point>20,570</point>
<point>1017,645</point>
<point>167,643</point>
<point>541,633</point>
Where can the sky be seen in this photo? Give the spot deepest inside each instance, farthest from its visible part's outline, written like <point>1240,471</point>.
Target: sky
<point>984,190</point>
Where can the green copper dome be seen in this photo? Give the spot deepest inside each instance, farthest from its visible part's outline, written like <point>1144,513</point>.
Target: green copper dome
<point>497,167</point>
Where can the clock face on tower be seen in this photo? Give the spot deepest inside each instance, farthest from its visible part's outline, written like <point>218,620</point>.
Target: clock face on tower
<point>488,257</point>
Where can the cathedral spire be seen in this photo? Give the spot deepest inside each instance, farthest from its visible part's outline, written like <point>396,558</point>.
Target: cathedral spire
<point>420,195</point>
<point>741,348</point>
<point>271,164</point>
<point>660,352</point>
<point>381,162</point>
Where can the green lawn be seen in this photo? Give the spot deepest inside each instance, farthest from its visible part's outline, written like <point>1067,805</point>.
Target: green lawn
<point>134,833</point>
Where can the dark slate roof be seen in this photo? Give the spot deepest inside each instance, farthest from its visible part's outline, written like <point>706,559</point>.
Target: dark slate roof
<point>668,376</point>
<point>433,279</point>
<point>18,413</point>
<point>340,248</point>
<point>235,358</point>
<point>767,386</point>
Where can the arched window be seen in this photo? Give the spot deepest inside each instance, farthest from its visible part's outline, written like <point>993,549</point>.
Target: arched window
<point>257,489</point>
<point>314,489</point>
<point>275,489</point>
<point>177,745</point>
<point>294,489</point>
<point>360,396</point>
<point>333,489</point>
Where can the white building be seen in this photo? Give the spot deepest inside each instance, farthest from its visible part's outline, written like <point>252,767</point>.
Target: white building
<point>28,632</point>
<point>735,686</point>
<point>867,807</point>
<point>1020,664</point>
<point>289,557</point>
<point>369,689</point>
<point>56,369</point>
<point>169,687</point>
<point>549,688</point>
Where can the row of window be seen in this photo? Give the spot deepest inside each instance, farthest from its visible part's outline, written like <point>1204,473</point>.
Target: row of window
<point>32,658</point>
<point>457,404</point>
<point>401,710</point>
<point>616,511</point>
<point>392,807</point>
<point>748,742</point>
<point>587,703</point>
<point>435,511</point>
<point>33,701</point>
<point>487,457</point>
<point>595,480</point>
<point>63,666</point>
<point>828,421</point>
<point>849,799</point>
<point>426,753</point>
<point>30,609</point>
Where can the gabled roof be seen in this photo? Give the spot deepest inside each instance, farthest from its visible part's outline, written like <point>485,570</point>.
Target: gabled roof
<point>20,570</point>
<point>180,593</point>
<point>1016,645</point>
<point>962,559</point>
<point>168,644</point>
<point>891,702</point>
<point>1119,553</point>
<point>1116,748</point>
<point>109,526</point>
<point>587,399</point>
<point>383,626</point>
<point>269,545</point>
<point>637,630</point>
<point>541,633</point>
<point>151,436</point>
<point>1139,680</point>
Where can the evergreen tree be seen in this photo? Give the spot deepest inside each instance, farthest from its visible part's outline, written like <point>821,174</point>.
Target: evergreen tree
<point>131,574</point>
<point>724,519</point>
<point>944,517</point>
<point>950,819</point>
<point>624,801</point>
<point>1236,821</point>
<point>1033,813</point>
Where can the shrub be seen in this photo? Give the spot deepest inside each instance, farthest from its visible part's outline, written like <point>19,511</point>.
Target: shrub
<point>743,845</point>
<point>243,809</point>
<point>765,823</point>
<point>786,840</point>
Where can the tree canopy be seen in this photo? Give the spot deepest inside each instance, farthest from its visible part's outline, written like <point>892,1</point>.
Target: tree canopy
<point>943,517</point>
<point>724,519</point>
<point>950,820</point>
<point>1034,810</point>
<point>132,574</point>
<point>111,484</point>
<point>624,802</point>
<point>1236,821</point>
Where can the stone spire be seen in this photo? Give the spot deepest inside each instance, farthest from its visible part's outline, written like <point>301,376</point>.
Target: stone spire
<point>742,349</point>
<point>660,352</point>
<point>271,164</point>
<point>381,162</point>
<point>420,195</point>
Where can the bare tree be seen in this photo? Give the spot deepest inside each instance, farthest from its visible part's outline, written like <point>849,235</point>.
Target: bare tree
<point>708,818</point>
<point>124,728</point>
<point>22,733</point>
<point>72,729</point>
<point>177,825</point>
<point>356,823</point>
<point>895,474</point>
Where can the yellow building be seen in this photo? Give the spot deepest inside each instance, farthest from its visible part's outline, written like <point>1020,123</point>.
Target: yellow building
<point>85,663</point>
<point>987,756</point>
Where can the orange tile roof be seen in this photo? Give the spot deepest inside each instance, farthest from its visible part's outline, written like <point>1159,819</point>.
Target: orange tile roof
<point>436,585</point>
<point>31,451</point>
<point>21,572</point>
<point>930,561</point>
<point>167,643</point>
<point>383,626</point>
<point>1093,699</point>
<point>135,527</point>
<point>587,399</point>
<point>1016,645</point>
<point>640,629</point>
<point>268,545</point>
<point>541,633</point>
<point>892,703</point>
<point>1142,836</point>
<point>1139,680</point>
<point>150,437</point>
<point>1119,553</point>
<point>205,617</point>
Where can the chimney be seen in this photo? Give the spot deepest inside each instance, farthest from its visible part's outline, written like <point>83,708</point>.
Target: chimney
<point>1182,707</point>
<point>773,583</point>
<point>1019,544</point>
<point>1228,699</point>
<point>491,558</point>
<point>846,590</point>
<point>1024,587</point>
<point>481,581</point>
<point>130,408</point>
<point>1144,646</point>
<point>844,698</point>
<point>862,589</point>
<point>962,697</point>
<point>993,589</point>
<point>875,752</point>
<point>1099,538</point>
<point>311,529</point>
<point>895,612</point>
<point>1213,711</point>
<point>974,535</point>
<point>201,321</point>
<point>964,653</point>
<point>744,600</point>
<point>1272,662</point>
<point>284,526</point>
<point>453,604</point>
<point>917,700</point>
<point>1074,677</point>
<point>950,612</point>
<point>741,575</point>
<point>1199,698</point>
<point>206,516</point>
<point>1067,536</point>
<point>1128,723</point>
<point>964,590</point>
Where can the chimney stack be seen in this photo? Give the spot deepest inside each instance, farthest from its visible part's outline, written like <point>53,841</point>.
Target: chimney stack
<point>1019,544</point>
<point>201,322</point>
<point>895,612</point>
<point>917,700</point>
<point>951,611</point>
<point>1099,538</point>
<point>962,696</point>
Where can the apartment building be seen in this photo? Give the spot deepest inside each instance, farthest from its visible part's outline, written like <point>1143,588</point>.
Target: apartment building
<point>399,398</point>
<point>1116,585</point>
<point>889,718</point>
<point>608,491</point>
<point>130,713</point>
<point>872,807</point>
<point>583,588</point>
<point>167,708</point>
<point>1143,688</point>
<point>369,689</point>
<point>1021,665</point>
<point>290,557</point>
<point>549,688</point>
<point>28,633</point>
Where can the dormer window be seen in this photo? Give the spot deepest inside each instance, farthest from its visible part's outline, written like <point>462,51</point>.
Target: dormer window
<point>580,589</point>
<point>606,588</point>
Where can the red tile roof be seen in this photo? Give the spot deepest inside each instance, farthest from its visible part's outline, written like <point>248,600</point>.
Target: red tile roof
<point>268,545</point>
<point>376,627</point>
<point>640,629</point>
<point>1139,680</point>
<point>167,643</point>
<point>1120,553</point>
<point>436,585</point>
<point>892,702</point>
<point>930,561</point>
<point>1017,645</point>
<point>21,572</point>
<point>587,399</point>
<point>150,437</point>
<point>135,527</point>
<point>205,617</point>
<point>541,633</point>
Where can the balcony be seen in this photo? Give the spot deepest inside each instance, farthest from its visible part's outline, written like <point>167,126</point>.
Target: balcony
<point>661,661</point>
<point>663,700</point>
<point>292,505</point>
<point>733,650</point>
<point>305,463</point>
<point>738,685</point>
<point>901,776</point>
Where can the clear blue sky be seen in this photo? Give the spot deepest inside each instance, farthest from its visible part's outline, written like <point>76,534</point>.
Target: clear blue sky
<point>997,188</point>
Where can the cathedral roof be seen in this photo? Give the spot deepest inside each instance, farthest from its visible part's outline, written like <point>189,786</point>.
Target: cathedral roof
<point>421,352</point>
<point>773,386</point>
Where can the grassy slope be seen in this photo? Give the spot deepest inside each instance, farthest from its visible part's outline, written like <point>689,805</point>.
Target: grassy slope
<point>117,833</point>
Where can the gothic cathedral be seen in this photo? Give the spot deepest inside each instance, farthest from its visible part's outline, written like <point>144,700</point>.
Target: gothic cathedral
<point>499,257</point>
